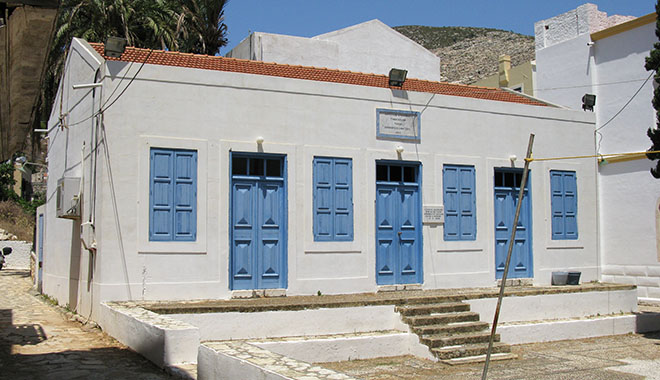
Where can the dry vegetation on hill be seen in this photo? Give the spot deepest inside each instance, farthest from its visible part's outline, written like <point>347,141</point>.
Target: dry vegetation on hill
<point>468,54</point>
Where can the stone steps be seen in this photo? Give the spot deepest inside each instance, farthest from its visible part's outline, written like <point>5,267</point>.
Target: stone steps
<point>452,332</point>
<point>410,310</point>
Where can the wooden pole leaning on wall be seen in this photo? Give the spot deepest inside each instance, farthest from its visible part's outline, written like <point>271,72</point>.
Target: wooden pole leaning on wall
<point>521,194</point>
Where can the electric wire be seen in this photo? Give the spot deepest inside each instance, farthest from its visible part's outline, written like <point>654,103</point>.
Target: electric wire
<point>628,102</point>
<point>589,85</point>
<point>104,107</point>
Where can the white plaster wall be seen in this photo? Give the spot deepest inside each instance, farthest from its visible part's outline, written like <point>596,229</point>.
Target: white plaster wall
<point>68,269</point>
<point>294,323</point>
<point>628,193</point>
<point>556,306</point>
<point>215,112</point>
<point>369,47</point>
<point>565,72</point>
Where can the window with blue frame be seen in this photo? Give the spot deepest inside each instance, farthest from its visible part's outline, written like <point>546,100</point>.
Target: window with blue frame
<point>563,191</point>
<point>460,202</point>
<point>172,195</point>
<point>333,199</point>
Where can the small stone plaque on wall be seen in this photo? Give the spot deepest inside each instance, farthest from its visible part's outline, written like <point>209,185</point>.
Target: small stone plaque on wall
<point>433,214</point>
<point>398,125</point>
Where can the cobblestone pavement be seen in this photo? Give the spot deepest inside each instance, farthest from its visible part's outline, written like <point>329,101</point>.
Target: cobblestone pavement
<point>614,357</point>
<point>39,342</point>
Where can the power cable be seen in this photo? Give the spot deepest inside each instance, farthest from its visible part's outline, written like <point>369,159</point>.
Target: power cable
<point>104,107</point>
<point>628,102</point>
<point>589,85</point>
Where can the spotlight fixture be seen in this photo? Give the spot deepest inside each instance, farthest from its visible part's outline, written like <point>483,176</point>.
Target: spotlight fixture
<point>114,47</point>
<point>260,140</point>
<point>588,102</point>
<point>397,77</point>
<point>399,149</point>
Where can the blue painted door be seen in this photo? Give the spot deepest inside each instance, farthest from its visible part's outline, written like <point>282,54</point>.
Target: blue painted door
<point>41,251</point>
<point>258,218</point>
<point>398,224</point>
<point>507,185</point>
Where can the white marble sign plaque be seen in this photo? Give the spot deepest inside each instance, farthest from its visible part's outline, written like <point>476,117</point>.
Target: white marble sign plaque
<point>398,125</point>
<point>433,214</point>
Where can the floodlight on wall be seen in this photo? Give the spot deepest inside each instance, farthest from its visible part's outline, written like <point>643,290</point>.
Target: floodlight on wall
<point>513,158</point>
<point>114,47</point>
<point>260,140</point>
<point>399,149</point>
<point>588,102</point>
<point>397,77</point>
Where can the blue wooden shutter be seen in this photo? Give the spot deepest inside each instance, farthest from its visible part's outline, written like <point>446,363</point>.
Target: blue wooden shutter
<point>333,199</point>
<point>343,200</point>
<point>173,195</point>
<point>185,195</point>
<point>563,190</point>
<point>451,202</point>
<point>323,199</point>
<point>468,203</point>
<point>460,202</point>
<point>160,197</point>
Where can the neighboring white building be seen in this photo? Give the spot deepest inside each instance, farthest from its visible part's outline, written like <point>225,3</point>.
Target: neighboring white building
<point>584,51</point>
<point>369,47</point>
<point>212,176</point>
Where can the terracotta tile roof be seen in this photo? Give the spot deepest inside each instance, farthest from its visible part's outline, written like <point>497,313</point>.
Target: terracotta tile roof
<point>206,62</point>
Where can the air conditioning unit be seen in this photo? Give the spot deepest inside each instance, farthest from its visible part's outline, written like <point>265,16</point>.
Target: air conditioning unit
<point>68,198</point>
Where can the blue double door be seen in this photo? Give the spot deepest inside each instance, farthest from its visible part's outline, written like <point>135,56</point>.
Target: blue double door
<point>258,221</point>
<point>398,223</point>
<point>507,186</point>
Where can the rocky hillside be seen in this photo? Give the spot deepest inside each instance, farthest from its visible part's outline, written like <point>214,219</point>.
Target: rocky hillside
<point>468,54</point>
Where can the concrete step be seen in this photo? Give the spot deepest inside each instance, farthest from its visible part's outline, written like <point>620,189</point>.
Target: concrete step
<point>422,309</point>
<point>450,328</point>
<point>480,358</point>
<point>434,341</point>
<point>466,350</point>
<point>440,318</point>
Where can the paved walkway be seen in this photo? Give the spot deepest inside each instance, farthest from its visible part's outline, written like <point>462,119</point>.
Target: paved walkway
<point>629,357</point>
<point>38,342</point>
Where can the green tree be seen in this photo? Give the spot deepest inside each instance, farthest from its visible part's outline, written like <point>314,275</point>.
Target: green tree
<point>7,181</point>
<point>200,25</point>
<point>653,64</point>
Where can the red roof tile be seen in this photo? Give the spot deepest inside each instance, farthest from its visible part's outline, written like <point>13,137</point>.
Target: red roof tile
<point>206,62</point>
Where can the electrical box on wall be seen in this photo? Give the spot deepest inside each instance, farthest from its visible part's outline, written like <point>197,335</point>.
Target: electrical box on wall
<point>68,198</point>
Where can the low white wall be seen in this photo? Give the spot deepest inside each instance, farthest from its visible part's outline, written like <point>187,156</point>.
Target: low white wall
<point>556,306</point>
<point>162,340</point>
<point>571,329</point>
<point>342,348</point>
<point>227,326</point>
<point>215,365</point>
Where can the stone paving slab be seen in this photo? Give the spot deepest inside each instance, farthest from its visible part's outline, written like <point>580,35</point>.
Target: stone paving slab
<point>271,362</point>
<point>620,357</point>
<point>362,299</point>
<point>38,341</point>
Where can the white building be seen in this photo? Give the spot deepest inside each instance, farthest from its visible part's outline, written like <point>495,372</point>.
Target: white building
<point>369,47</point>
<point>585,51</point>
<point>214,176</point>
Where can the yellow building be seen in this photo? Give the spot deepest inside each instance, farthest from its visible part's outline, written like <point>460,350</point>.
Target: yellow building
<point>518,78</point>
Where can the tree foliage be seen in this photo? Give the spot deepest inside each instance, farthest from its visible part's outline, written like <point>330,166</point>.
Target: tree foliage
<point>653,64</point>
<point>190,26</point>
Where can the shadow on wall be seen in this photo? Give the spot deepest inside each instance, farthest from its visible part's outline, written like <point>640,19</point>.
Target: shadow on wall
<point>619,168</point>
<point>74,265</point>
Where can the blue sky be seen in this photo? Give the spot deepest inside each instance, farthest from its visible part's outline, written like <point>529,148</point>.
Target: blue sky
<point>307,18</point>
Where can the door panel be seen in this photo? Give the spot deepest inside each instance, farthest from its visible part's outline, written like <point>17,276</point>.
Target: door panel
<point>506,199</point>
<point>398,226</point>
<point>258,212</point>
